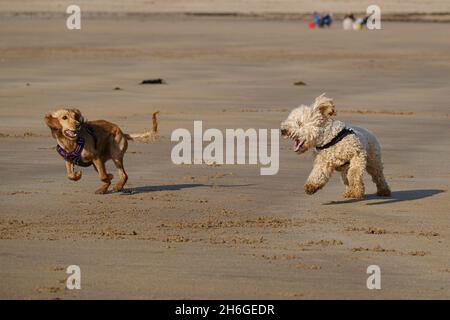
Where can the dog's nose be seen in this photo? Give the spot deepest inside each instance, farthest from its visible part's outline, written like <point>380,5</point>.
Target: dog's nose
<point>284,132</point>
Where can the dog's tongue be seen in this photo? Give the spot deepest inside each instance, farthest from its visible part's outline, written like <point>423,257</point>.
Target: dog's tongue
<point>297,145</point>
<point>70,133</point>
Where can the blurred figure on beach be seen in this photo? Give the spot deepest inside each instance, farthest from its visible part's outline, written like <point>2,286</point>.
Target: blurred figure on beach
<point>316,19</point>
<point>350,22</point>
<point>320,21</point>
<point>327,20</point>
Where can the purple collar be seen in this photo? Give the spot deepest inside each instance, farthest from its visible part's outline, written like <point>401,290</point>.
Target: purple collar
<point>74,156</point>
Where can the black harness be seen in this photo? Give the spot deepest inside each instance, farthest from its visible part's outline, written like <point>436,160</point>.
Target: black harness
<point>341,135</point>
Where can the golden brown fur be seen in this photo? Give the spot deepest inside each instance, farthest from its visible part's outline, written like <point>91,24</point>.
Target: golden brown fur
<point>111,143</point>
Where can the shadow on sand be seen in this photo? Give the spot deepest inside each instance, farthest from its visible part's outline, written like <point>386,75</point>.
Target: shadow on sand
<point>174,187</point>
<point>396,196</point>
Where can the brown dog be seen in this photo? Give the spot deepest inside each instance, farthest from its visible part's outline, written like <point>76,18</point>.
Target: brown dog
<point>84,143</point>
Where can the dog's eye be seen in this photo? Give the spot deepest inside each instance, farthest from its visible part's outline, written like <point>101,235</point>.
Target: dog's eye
<point>299,123</point>
<point>64,118</point>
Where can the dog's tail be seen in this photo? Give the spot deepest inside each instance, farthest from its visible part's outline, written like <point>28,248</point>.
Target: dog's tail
<point>146,136</point>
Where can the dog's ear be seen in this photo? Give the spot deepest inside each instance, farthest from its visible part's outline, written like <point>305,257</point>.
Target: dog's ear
<point>78,116</point>
<point>52,123</point>
<point>324,106</point>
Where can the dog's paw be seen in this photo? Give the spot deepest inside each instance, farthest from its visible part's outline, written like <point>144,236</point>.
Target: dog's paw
<point>353,195</point>
<point>75,176</point>
<point>118,188</point>
<point>384,193</point>
<point>347,195</point>
<point>311,188</point>
<point>101,190</point>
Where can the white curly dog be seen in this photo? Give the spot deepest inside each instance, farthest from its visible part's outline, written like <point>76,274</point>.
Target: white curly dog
<point>337,146</point>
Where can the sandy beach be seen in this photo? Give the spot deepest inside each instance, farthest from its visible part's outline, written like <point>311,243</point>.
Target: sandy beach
<point>237,6</point>
<point>222,231</point>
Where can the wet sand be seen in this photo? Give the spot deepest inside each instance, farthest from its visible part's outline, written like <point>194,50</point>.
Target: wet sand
<point>199,231</point>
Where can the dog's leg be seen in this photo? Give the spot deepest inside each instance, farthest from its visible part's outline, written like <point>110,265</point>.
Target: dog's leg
<point>355,177</point>
<point>104,177</point>
<point>375,169</point>
<point>122,174</point>
<point>317,178</point>
<point>74,176</point>
<point>344,174</point>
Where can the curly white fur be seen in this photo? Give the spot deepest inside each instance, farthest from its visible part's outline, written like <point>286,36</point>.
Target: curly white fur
<point>312,126</point>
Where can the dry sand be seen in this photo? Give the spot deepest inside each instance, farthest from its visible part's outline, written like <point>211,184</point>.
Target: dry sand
<point>222,231</point>
<point>240,6</point>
